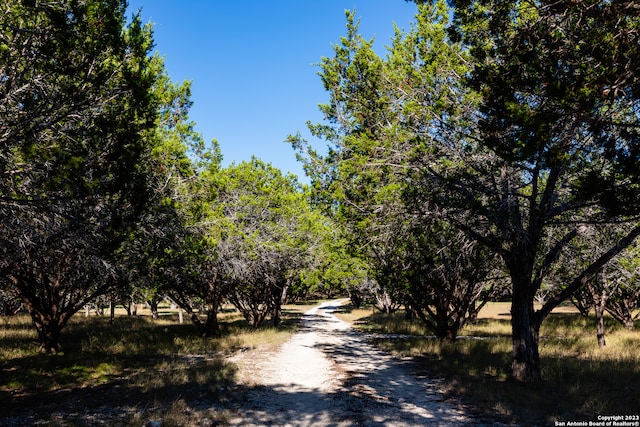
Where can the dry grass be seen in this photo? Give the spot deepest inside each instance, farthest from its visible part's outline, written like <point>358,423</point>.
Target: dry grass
<point>580,380</point>
<point>139,369</point>
<point>132,371</point>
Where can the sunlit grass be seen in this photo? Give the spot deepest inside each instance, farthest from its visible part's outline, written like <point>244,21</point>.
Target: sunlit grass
<point>17,336</point>
<point>354,315</point>
<point>580,382</point>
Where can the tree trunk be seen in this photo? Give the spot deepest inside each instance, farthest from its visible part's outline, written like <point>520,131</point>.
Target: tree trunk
<point>622,311</point>
<point>112,311</point>
<point>153,305</point>
<point>409,312</point>
<point>278,298</point>
<point>276,317</point>
<point>446,333</point>
<point>126,304</point>
<point>598,289</point>
<point>47,321</point>
<point>525,333</point>
<point>356,298</point>
<point>212,328</point>
<point>196,321</point>
<point>446,328</point>
<point>48,334</point>
<point>599,307</point>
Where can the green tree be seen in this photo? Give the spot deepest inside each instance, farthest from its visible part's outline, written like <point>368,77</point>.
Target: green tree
<point>271,231</point>
<point>517,124</point>
<point>559,86</point>
<point>356,181</point>
<point>379,111</point>
<point>156,255</point>
<point>334,269</point>
<point>579,254</point>
<point>196,267</point>
<point>624,302</point>
<point>76,100</point>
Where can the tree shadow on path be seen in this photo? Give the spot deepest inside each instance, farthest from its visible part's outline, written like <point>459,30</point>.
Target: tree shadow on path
<point>376,389</point>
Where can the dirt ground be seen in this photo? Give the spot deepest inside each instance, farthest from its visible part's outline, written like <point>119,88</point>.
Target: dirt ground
<point>329,375</point>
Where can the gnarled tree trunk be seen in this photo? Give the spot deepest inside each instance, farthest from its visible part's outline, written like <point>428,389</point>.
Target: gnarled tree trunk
<point>525,334</point>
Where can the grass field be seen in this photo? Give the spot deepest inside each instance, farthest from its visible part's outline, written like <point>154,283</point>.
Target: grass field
<point>153,368</point>
<point>580,380</point>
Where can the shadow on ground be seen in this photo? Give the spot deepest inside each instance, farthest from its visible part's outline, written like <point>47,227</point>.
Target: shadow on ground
<point>378,390</point>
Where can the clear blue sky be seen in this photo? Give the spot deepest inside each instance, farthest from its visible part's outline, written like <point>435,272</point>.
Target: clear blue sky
<point>254,63</point>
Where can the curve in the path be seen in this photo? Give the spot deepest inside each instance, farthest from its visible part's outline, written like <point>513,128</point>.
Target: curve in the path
<point>327,374</point>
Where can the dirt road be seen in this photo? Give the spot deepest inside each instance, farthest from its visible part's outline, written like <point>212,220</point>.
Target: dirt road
<point>329,375</point>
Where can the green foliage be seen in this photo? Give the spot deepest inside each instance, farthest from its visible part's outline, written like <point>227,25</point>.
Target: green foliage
<point>558,88</point>
<point>513,122</point>
<point>77,100</point>
<point>244,232</point>
<point>269,233</point>
<point>382,114</point>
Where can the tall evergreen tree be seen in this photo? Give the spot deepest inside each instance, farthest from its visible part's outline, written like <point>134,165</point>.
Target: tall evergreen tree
<point>558,137</point>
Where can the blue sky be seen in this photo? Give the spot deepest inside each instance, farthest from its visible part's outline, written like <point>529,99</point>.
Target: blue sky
<point>253,64</point>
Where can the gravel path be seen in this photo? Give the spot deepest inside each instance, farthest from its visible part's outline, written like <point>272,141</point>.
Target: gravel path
<point>329,375</point>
